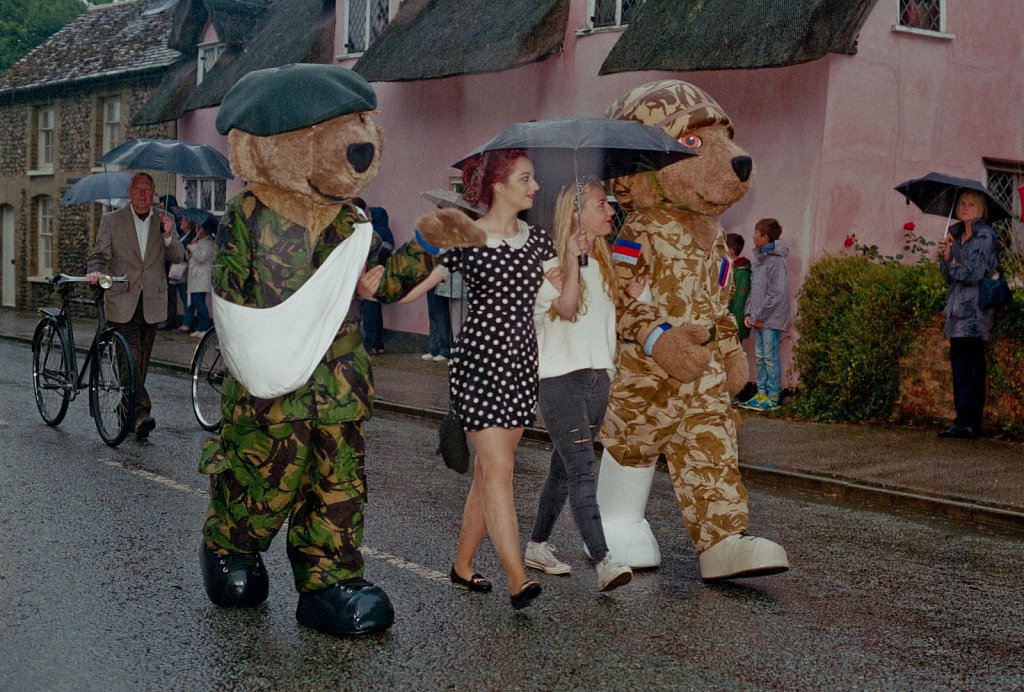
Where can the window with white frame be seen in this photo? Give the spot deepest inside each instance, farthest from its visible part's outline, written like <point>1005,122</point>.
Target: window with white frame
<point>364,22</point>
<point>111,122</point>
<point>613,13</point>
<point>926,15</point>
<point>1005,179</point>
<point>208,55</point>
<point>43,138</point>
<point>45,245</point>
<point>206,193</point>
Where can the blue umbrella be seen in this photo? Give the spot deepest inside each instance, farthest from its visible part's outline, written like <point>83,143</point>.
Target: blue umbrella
<point>96,187</point>
<point>169,155</point>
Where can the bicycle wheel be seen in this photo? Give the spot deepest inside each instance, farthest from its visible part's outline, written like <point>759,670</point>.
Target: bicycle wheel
<point>207,371</point>
<point>112,388</point>
<point>51,381</point>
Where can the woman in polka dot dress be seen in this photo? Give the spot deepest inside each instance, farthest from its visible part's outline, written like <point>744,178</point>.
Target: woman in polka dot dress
<point>493,366</point>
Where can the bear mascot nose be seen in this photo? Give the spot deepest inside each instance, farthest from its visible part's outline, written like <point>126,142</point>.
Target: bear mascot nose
<point>742,165</point>
<point>360,156</point>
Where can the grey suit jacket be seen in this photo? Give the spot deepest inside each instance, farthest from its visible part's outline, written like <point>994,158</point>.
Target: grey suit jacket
<point>116,252</point>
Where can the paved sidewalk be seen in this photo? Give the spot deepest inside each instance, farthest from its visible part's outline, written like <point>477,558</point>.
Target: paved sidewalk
<point>980,480</point>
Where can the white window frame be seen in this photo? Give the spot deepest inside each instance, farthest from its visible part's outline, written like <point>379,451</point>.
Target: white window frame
<point>208,54</point>
<point>46,245</point>
<point>367,38</point>
<point>206,193</point>
<point>45,120</point>
<point>1014,170</point>
<point>941,32</point>
<point>111,113</point>
<point>592,12</point>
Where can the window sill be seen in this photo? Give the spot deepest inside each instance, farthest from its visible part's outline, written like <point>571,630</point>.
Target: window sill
<point>590,30</point>
<point>38,172</point>
<point>923,32</point>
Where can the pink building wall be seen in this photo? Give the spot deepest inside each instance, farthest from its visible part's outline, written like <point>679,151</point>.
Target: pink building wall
<point>830,139</point>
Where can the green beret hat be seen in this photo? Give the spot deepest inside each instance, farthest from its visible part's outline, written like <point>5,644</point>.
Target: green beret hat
<point>291,97</point>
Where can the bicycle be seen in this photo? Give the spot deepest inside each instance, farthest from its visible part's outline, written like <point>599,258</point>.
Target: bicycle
<point>56,379</point>
<point>207,373</point>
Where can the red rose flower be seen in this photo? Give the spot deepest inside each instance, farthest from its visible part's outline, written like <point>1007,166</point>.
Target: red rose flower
<point>850,240</point>
<point>909,226</point>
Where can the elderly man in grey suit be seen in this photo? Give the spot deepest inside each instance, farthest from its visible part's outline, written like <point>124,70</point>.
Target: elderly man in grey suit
<point>135,241</point>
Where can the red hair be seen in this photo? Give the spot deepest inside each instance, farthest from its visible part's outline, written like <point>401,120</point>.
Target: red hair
<point>483,171</point>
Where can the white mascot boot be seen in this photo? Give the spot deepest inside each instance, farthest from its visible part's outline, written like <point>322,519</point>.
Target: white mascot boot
<point>741,555</point>
<point>622,493</point>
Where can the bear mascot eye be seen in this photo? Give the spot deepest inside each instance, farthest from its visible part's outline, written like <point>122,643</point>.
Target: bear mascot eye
<point>692,141</point>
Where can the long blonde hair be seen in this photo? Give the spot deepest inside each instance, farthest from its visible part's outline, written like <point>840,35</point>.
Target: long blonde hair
<point>565,208</point>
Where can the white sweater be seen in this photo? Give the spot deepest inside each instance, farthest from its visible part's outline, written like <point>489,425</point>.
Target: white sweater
<point>586,344</point>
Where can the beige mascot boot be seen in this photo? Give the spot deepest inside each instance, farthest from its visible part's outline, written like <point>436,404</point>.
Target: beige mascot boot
<point>622,493</point>
<point>741,555</point>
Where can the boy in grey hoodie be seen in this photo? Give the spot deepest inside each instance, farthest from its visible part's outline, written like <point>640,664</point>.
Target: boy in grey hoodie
<point>767,312</point>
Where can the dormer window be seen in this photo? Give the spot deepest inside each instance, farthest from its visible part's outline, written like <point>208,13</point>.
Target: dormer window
<point>208,55</point>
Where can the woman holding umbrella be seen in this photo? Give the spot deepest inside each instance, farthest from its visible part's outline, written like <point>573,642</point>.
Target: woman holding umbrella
<point>967,253</point>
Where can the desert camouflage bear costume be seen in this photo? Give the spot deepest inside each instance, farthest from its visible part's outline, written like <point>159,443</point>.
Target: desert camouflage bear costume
<point>672,236</point>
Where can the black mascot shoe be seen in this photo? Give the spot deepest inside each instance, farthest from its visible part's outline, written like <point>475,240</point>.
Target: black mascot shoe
<point>352,607</point>
<point>236,580</point>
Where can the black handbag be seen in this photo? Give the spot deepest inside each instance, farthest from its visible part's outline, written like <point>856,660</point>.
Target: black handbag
<point>452,445</point>
<point>993,291</point>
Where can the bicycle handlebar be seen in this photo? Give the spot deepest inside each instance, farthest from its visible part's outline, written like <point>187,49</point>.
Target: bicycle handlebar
<point>106,281</point>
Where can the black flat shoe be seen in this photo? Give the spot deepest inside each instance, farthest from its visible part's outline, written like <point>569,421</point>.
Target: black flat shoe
<point>959,432</point>
<point>474,583</point>
<point>530,591</point>
<point>144,427</point>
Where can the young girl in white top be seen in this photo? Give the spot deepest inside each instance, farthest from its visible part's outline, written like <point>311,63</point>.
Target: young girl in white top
<point>576,346</point>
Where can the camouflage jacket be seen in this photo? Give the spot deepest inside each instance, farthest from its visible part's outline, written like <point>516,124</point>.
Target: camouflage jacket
<point>262,259</point>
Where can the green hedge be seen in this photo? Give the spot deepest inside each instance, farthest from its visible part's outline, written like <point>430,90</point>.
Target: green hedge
<point>855,319</point>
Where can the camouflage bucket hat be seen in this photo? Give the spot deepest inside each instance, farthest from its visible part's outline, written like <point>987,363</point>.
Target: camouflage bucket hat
<point>674,106</point>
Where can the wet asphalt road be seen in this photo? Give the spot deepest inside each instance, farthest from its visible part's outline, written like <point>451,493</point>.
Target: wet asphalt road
<point>99,586</point>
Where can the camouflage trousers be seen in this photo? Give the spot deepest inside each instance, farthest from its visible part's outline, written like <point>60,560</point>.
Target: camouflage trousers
<point>310,474</point>
<point>694,426</point>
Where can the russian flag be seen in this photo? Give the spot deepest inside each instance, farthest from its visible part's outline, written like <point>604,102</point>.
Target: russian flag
<point>626,251</point>
<point>725,272</point>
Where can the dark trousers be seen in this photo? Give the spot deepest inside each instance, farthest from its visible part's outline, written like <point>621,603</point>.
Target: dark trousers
<point>139,334</point>
<point>967,358</point>
<point>440,316</point>
<point>373,325</point>
<point>573,407</point>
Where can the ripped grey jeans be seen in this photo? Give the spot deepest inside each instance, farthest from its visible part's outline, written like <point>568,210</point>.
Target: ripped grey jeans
<point>573,407</point>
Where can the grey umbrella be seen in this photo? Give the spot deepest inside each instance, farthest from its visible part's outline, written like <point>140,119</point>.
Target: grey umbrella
<point>937,193</point>
<point>96,187</point>
<point>169,155</point>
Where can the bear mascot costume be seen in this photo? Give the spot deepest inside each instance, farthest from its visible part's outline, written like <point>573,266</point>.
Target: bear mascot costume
<point>679,357</point>
<point>291,248</point>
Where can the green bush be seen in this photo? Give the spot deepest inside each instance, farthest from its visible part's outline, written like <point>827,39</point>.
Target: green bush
<point>855,319</point>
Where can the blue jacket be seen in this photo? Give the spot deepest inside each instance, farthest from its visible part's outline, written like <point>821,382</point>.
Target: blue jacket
<point>769,300</point>
<point>968,263</point>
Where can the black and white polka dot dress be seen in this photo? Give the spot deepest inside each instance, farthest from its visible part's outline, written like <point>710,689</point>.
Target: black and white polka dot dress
<point>493,366</point>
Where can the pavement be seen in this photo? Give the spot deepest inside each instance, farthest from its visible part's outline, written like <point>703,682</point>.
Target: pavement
<point>976,481</point>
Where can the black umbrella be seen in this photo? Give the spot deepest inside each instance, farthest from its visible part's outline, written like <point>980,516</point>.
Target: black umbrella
<point>937,193</point>
<point>565,149</point>
<point>196,215</point>
<point>95,187</point>
<point>170,155</point>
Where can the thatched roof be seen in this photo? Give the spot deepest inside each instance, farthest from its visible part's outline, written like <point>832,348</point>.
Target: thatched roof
<point>288,31</point>
<point>429,39</point>
<point>689,35</point>
<point>116,41</point>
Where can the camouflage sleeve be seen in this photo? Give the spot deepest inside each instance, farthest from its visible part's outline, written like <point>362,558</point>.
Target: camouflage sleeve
<point>631,256</point>
<point>232,276</point>
<point>405,267</point>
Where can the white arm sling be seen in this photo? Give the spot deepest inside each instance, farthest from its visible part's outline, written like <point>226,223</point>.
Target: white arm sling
<point>273,351</point>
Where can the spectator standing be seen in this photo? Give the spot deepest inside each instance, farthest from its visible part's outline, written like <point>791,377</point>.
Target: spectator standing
<point>740,282</point>
<point>767,312</point>
<point>373,314</point>
<point>200,266</point>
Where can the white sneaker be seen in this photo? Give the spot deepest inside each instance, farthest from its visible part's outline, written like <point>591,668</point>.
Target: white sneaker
<point>426,356</point>
<point>741,555</point>
<point>198,335</point>
<point>612,574</point>
<point>439,359</point>
<point>542,556</point>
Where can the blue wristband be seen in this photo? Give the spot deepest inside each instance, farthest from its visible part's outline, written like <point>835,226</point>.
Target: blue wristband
<point>431,250</point>
<point>655,335</point>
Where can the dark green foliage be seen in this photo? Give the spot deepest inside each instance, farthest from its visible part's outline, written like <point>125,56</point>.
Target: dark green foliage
<point>855,320</point>
<point>25,24</point>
